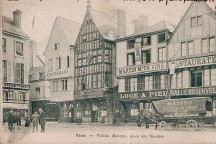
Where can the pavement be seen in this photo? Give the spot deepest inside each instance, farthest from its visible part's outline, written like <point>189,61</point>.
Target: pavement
<point>100,133</point>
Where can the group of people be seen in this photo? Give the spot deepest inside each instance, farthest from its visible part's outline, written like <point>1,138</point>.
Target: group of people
<point>36,118</point>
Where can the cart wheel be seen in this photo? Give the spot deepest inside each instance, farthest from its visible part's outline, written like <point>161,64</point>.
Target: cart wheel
<point>163,125</point>
<point>192,124</point>
<point>201,125</point>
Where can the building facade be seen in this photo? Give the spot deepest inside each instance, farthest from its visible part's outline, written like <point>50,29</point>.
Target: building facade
<point>192,54</point>
<point>95,55</point>
<point>142,67</point>
<point>59,69</point>
<point>15,64</point>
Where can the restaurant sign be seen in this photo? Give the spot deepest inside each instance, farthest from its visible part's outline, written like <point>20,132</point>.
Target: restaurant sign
<point>162,94</point>
<point>192,62</point>
<point>58,73</point>
<point>145,68</point>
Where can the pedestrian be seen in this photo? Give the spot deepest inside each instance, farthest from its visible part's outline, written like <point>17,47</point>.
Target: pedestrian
<point>27,121</point>
<point>42,120</point>
<point>18,118</point>
<point>139,120</point>
<point>11,120</point>
<point>5,116</point>
<point>35,121</point>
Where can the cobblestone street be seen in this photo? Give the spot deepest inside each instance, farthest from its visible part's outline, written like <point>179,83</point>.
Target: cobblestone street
<point>96,133</point>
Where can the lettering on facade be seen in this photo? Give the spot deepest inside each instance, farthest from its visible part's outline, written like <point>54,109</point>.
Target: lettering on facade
<point>208,60</point>
<point>57,73</point>
<point>164,93</point>
<point>141,68</point>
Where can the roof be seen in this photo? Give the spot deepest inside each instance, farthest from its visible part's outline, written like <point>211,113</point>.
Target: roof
<point>104,22</point>
<point>41,60</point>
<point>69,28</point>
<point>8,25</point>
<point>163,25</point>
<point>40,69</point>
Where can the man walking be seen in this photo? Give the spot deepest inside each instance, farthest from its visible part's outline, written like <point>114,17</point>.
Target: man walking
<point>11,120</point>
<point>35,121</point>
<point>42,120</point>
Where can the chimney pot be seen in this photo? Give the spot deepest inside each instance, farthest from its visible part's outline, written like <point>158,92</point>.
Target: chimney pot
<point>121,22</point>
<point>17,18</point>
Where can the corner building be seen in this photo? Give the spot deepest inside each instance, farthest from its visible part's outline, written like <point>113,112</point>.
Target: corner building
<point>142,67</point>
<point>95,65</point>
<point>192,52</point>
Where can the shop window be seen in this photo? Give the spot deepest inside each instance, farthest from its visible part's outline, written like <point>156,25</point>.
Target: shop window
<point>196,78</point>
<point>204,45</point>
<point>130,44</point>
<point>19,48</point>
<point>147,40</point>
<point>146,56</point>
<point>161,54</point>
<point>161,38</point>
<point>130,59</point>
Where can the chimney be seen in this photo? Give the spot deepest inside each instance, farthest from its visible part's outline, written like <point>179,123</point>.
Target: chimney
<point>17,18</point>
<point>121,22</point>
<point>140,24</point>
<point>33,54</point>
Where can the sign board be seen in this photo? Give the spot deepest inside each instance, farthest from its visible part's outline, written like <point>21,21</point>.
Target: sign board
<point>58,74</point>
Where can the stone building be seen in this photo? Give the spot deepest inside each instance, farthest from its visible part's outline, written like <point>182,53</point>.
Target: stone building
<point>15,64</point>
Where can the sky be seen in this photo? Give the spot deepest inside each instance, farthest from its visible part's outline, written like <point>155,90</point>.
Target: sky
<point>44,12</point>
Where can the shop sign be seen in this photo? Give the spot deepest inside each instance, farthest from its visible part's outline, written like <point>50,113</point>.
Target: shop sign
<point>58,73</point>
<point>145,68</point>
<point>160,94</point>
<point>192,62</point>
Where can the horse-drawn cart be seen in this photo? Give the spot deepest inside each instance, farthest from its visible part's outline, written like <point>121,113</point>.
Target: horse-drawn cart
<point>191,113</point>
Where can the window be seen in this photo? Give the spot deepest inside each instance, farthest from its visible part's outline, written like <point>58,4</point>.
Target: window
<point>107,80</point>
<point>99,80</point>
<point>190,48</point>
<point>127,84</point>
<point>146,56</point>
<point>161,38</point>
<point>94,59</point>
<point>79,62</point>
<point>162,54</point>
<point>94,81</point>
<point>148,82</point>
<point>163,81</point>
<point>84,38</point>
<point>50,65</point>
<point>204,46</point>
<point>196,78</point>
<point>19,48</point>
<point>4,45</point>
<point>19,73</point>
<point>64,84</point>
<point>199,20</point>
<point>99,59</point>
<point>140,83</point>
<point>84,61</point>
<point>156,79</point>
<point>209,77</point>
<point>193,21</point>
<point>213,76</point>
<point>4,68</point>
<point>179,79</point>
<point>212,44</point>
<point>37,89</point>
<point>55,85</point>
<point>183,49</point>
<point>106,58</point>
<point>58,63</point>
<point>133,84</point>
<point>147,40</point>
<point>130,44</point>
<point>130,59</point>
<point>68,61</point>
<point>79,83</point>
<point>57,46</point>
<point>94,35</point>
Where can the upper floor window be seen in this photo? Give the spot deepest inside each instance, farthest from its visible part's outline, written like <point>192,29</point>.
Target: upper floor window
<point>161,54</point>
<point>84,38</point>
<point>196,78</point>
<point>58,63</point>
<point>19,48</point>
<point>183,49</point>
<point>204,45</point>
<point>161,37</point>
<point>50,64</point>
<point>57,46</point>
<point>140,83</point>
<point>68,61</point>
<point>190,48</point>
<point>4,45</point>
<point>146,56</point>
<point>131,84</point>
<point>147,40</point>
<point>130,59</point>
<point>130,44</point>
<point>37,90</point>
<point>196,21</point>
<point>209,77</point>
<point>163,81</point>
<point>55,85</point>
<point>64,84</point>
<point>19,73</point>
<point>212,44</point>
<point>4,69</point>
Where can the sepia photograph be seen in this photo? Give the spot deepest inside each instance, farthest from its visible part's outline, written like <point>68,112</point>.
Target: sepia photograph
<point>108,72</point>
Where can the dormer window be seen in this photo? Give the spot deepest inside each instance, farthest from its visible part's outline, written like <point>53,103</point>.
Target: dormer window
<point>57,45</point>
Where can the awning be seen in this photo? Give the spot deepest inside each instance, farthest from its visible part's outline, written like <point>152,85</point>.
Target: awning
<point>15,106</point>
<point>61,98</point>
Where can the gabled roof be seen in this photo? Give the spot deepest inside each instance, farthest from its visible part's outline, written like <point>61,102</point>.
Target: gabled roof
<point>8,25</point>
<point>103,22</point>
<point>41,60</point>
<point>212,14</point>
<point>68,27</point>
<point>160,26</point>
